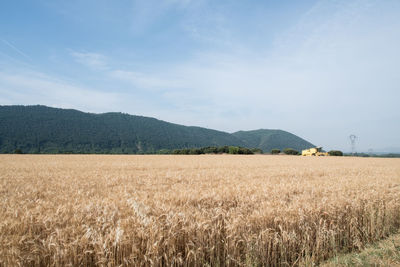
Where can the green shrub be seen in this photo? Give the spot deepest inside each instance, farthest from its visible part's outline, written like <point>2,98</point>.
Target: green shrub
<point>335,153</point>
<point>223,149</point>
<point>210,150</point>
<point>275,151</point>
<point>18,151</point>
<point>256,151</point>
<point>177,151</point>
<point>163,152</point>
<point>195,151</point>
<point>233,150</point>
<point>245,151</point>
<point>290,151</point>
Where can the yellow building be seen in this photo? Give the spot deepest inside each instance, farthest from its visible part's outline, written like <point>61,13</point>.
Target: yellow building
<point>315,151</point>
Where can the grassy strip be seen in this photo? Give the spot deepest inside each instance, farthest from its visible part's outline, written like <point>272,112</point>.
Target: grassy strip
<point>383,253</point>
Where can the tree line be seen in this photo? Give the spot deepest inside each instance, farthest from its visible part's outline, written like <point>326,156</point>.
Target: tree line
<point>234,150</point>
<point>291,151</point>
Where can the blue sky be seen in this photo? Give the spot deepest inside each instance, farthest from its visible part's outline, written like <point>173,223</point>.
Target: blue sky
<point>320,69</point>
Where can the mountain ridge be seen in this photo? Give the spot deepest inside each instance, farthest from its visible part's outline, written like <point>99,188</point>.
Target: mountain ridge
<point>268,139</point>
<point>43,129</point>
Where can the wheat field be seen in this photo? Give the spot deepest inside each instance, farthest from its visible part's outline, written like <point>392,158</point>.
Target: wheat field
<point>208,210</point>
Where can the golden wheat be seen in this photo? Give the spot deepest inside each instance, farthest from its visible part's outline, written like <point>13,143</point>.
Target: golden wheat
<point>85,210</point>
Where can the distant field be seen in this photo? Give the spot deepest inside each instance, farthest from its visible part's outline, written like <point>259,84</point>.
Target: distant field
<point>215,210</point>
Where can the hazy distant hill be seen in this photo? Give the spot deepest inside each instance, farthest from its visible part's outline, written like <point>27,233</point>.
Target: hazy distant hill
<point>41,129</point>
<point>270,139</point>
<point>386,150</point>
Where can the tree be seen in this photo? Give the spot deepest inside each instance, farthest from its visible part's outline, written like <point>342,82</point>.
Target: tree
<point>223,149</point>
<point>290,151</point>
<point>195,151</point>
<point>211,150</point>
<point>256,151</point>
<point>163,151</point>
<point>233,150</point>
<point>245,151</point>
<point>18,151</point>
<point>275,151</point>
<point>335,153</point>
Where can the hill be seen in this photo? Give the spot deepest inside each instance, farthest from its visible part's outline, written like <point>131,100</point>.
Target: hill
<point>41,129</point>
<point>266,140</point>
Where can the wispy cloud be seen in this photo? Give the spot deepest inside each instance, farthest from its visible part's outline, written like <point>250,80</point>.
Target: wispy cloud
<point>94,61</point>
<point>47,90</point>
<point>13,47</point>
<point>148,14</point>
<point>217,65</point>
<point>145,81</point>
<point>338,62</point>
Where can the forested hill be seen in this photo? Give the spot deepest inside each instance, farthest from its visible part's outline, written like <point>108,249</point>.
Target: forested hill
<point>41,129</point>
<point>267,140</point>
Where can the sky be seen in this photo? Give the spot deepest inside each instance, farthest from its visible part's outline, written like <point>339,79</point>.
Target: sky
<point>322,70</point>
